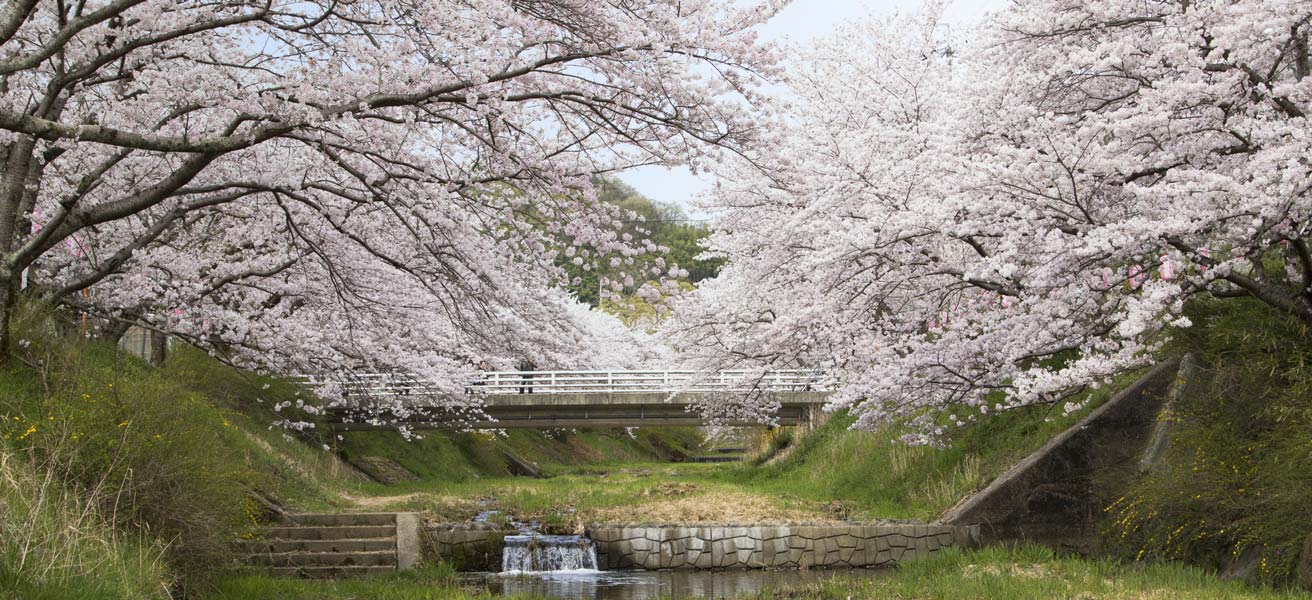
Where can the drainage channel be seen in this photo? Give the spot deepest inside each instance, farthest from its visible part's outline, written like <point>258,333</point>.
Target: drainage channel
<point>565,566</point>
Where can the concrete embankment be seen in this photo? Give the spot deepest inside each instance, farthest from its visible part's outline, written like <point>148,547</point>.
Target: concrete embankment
<point>1056,495</point>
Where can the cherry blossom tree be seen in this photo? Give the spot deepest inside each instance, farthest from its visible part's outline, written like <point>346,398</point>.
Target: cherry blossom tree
<point>964,225</point>
<point>350,185</point>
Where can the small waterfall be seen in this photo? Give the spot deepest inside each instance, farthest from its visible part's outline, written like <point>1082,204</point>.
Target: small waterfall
<point>538,553</point>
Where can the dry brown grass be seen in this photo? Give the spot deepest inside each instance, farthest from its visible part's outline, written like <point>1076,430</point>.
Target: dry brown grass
<point>368,503</point>
<point>713,506</point>
<point>1030,571</point>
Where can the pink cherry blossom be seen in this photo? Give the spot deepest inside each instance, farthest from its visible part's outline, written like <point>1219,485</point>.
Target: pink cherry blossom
<point>335,187</point>
<point>1064,142</point>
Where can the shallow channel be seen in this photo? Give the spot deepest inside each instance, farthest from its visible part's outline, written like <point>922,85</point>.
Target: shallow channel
<point>642,585</point>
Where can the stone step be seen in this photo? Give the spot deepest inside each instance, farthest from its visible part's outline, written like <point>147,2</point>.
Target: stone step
<point>330,572</point>
<point>325,559</point>
<point>331,533</point>
<point>716,459</point>
<point>343,545</point>
<point>340,519</point>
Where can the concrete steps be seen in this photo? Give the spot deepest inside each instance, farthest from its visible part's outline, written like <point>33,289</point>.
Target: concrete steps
<point>722,455</point>
<point>716,459</point>
<point>329,572</point>
<point>327,545</point>
<point>340,519</point>
<point>359,545</point>
<point>374,558</point>
<point>331,532</point>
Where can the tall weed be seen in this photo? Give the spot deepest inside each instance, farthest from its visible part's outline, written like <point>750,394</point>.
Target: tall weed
<point>151,456</point>
<point>57,543</point>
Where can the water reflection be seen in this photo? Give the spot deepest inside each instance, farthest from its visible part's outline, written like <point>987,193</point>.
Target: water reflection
<point>641,585</point>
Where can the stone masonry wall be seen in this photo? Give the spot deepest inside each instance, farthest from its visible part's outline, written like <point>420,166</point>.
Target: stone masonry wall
<point>769,547</point>
<point>466,546</point>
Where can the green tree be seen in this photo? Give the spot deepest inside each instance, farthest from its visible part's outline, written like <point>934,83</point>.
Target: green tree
<point>663,223</point>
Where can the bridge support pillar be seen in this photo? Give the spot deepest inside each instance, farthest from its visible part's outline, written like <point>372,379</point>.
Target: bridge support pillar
<point>813,416</point>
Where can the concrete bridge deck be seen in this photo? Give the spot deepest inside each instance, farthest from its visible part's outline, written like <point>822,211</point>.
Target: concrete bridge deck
<point>551,411</point>
<point>568,399</point>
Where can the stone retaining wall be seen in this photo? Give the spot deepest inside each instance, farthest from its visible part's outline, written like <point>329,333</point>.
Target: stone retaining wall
<point>466,546</point>
<point>769,547</point>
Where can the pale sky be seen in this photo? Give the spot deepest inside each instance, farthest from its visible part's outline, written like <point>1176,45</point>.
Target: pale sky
<point>800,21</point>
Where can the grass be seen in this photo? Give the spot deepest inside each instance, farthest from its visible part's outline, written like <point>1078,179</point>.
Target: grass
<point>167,458</point>
<point>1234,476</point>
<point>577,495</point>
<point>427,583</point>
<point>56,544</point>
<point>451,457</point>
<point>872,475</point>
<point>1032,572</point>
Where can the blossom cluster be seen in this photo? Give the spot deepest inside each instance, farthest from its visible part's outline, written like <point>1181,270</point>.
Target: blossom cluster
<point>983,220</point>
<point>368,186</point>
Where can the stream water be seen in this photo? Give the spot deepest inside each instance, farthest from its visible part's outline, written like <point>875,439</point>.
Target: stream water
<point>532,553</point>
<point>644,585</point>
<point>565,566</point>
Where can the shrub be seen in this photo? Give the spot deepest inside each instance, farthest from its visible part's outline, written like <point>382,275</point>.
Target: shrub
<point>1235,477</point>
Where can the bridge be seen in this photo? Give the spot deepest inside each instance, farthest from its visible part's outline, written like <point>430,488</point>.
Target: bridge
<point>570,399</point>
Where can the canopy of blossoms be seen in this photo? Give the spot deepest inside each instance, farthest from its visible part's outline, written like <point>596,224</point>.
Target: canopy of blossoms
<point>956,225</point>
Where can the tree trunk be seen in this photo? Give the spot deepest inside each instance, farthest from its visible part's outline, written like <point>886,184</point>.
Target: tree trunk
<point>8,301</point>
<point>158,348</point>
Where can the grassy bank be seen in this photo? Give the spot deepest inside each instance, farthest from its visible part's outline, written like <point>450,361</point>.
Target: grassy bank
<point>871,474</point>
<point>1235,480</point>
<point>1035,573</point>
<point>169,459</point>
<point>427,583</point>
<point>616,493</point>
<point>452,457</point>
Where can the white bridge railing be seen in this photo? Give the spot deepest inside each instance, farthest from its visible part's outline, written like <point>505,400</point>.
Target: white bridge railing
<point>582,382</point>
